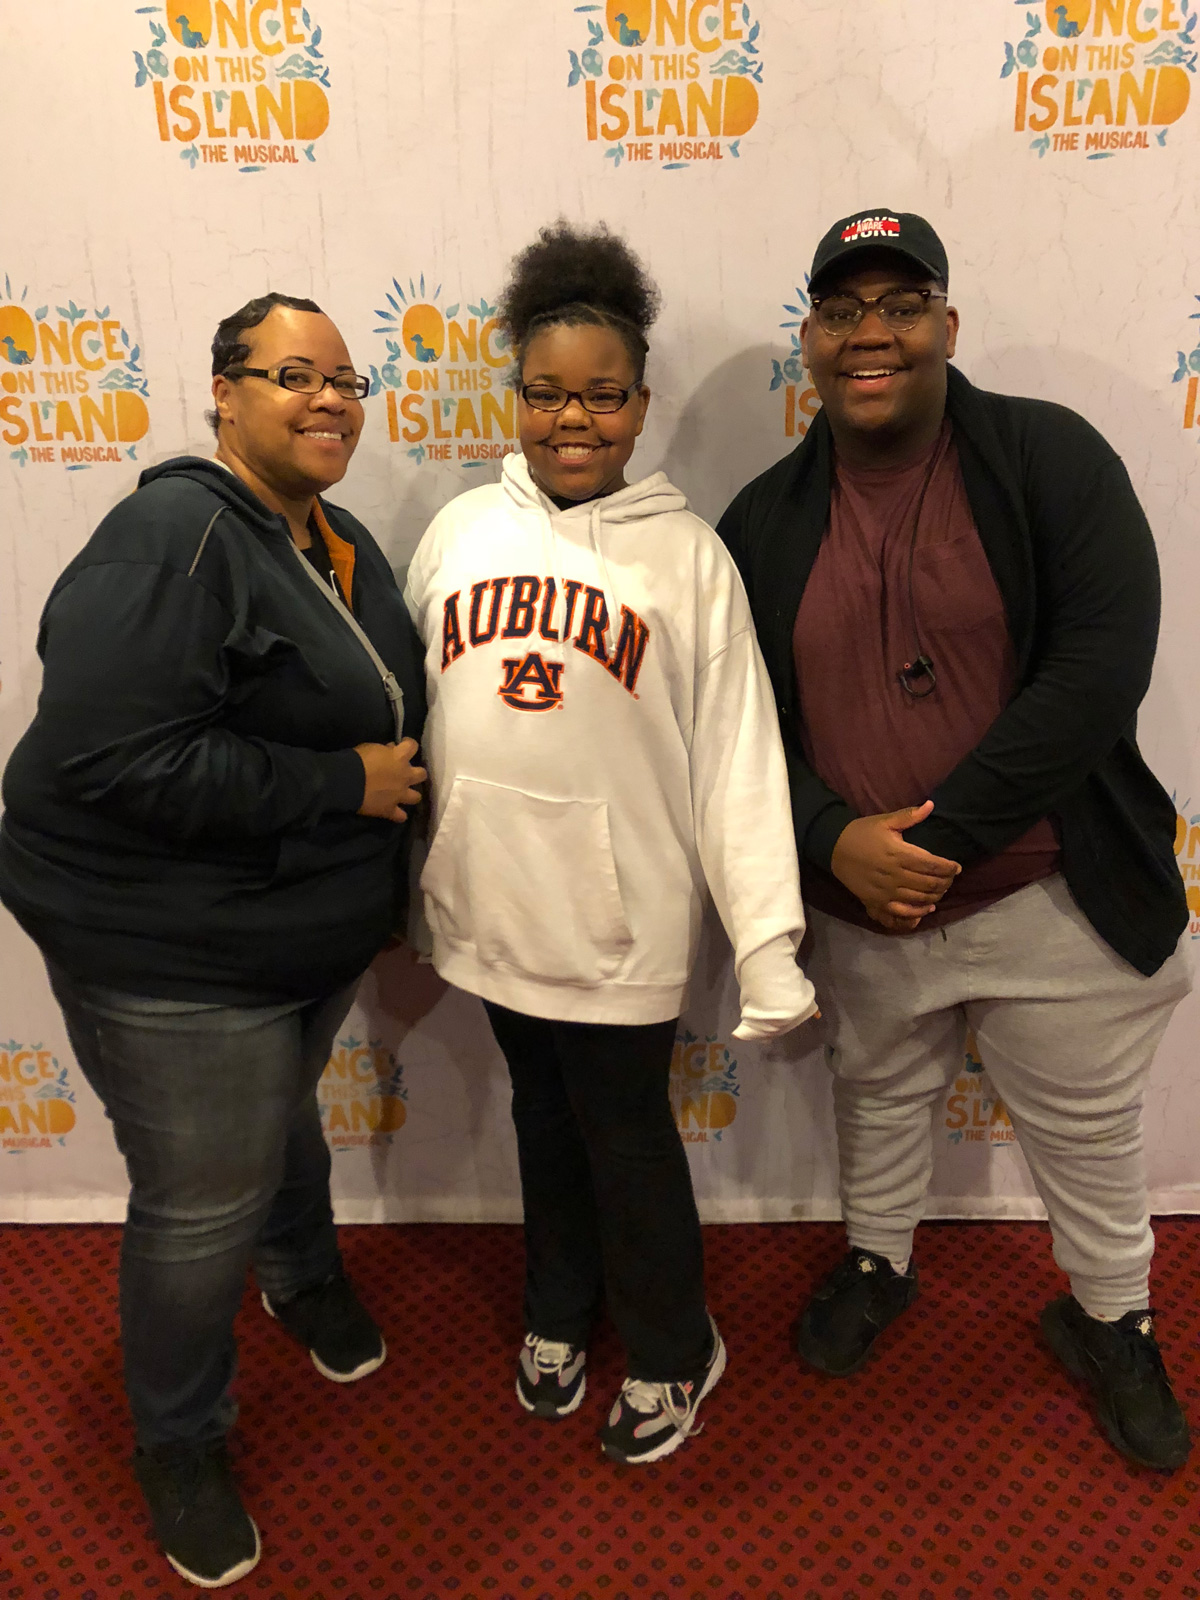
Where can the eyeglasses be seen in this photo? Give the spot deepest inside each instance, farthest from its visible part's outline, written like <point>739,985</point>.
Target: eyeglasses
<point>898,309</point>
<point>603,398</point>
<point>307,380</point>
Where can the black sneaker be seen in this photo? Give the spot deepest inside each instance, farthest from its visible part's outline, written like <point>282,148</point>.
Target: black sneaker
<point>197,1512</point>
<point>1122,1365</point>
<point>333,1326</point>
<point>846,1314</point>
<point>650,1420</point>
<point>550,1377</point>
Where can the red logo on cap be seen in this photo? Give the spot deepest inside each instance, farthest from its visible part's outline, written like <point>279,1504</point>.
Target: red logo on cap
<point>871,228</point>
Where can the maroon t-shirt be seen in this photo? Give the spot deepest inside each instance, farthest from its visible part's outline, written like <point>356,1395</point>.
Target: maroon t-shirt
<point>874,600</point>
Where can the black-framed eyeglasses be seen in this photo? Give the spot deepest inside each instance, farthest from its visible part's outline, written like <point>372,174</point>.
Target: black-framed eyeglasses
<point>602,398</point>
<point>307,380</point>
<point>899,309</point>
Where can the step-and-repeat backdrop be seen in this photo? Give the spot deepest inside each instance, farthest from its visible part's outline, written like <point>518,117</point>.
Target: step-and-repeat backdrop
<point>167,162</point>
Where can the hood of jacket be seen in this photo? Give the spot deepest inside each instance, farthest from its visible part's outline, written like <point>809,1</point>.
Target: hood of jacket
<point>649,497</point>
<point>218,480</point>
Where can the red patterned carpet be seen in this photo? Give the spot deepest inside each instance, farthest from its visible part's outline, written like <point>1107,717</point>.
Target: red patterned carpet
<point>960,1463</point>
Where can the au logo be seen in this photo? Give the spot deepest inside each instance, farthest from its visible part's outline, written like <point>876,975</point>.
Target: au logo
<point>237,82</point>
<point>531,683</point>
<point>72,390</point>
<point>975,1113</point>
<point>362,1095</point>
<point>1187,370</point>
<point>704,1087</point>
<point>1094,77</point>
<point>37,1105</point>
<point>800,401</point>
<point>668,82</point>
<point>451,361</point>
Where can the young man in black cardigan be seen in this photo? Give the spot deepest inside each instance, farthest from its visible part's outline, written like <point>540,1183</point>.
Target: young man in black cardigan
<point>957,596</point>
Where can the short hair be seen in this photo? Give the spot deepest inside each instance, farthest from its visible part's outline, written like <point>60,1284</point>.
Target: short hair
<point>229,349</point>
<point>572,276</point>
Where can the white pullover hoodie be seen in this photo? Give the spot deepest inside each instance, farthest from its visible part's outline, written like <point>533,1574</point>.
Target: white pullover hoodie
<point>602,743</point>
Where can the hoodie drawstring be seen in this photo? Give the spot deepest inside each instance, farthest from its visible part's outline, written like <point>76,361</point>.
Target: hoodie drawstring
<point>652,496</point>
<point>550,555</point>
<point>551,549</point>
<point>610,593</point>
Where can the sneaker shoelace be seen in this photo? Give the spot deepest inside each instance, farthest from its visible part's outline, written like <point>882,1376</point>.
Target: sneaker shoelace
<point>330,1305</point>
<point>191,1471</point>
<point>1140,1354</point>
<point>651,1397</point>
<point>851,1268</point>
<point>549,1355</point>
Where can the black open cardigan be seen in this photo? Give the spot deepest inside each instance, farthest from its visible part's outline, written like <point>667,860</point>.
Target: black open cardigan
<point>1074,559</point>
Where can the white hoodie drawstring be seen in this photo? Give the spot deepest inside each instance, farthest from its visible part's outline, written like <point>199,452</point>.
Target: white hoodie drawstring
<point>652,496</point>
<point>550,552</point>
<point>610,594</point>
<point>552,547</point>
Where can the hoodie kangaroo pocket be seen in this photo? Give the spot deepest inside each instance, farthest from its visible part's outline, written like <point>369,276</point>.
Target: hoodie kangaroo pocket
<point>530,882</point>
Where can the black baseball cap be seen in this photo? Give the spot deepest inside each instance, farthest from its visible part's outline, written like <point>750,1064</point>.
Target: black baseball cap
<point>883,229</point>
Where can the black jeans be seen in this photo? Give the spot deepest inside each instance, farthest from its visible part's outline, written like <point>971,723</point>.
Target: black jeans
<point>609,1209</point>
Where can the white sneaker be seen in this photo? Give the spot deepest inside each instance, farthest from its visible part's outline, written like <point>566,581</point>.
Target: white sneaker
<point>550,1377</point>
<point>650,1420</point>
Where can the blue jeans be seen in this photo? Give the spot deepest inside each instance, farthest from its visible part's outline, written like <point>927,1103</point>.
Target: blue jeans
<point>214,1109</point>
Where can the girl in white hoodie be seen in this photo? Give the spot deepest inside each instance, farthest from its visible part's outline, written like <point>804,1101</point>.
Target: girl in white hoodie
<point>603,744</point>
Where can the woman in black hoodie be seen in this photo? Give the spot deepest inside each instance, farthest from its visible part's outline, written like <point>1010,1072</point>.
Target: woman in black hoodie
<point>204,835</point>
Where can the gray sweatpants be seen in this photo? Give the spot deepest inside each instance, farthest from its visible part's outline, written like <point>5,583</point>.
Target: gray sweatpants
<point>1066,1030</point>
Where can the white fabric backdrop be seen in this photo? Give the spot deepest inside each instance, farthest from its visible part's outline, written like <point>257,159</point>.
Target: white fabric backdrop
<point>387,159</point>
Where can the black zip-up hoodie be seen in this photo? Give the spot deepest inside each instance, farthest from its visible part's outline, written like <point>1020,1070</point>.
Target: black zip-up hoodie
<point>1075,563</point>
<point>180,817</point>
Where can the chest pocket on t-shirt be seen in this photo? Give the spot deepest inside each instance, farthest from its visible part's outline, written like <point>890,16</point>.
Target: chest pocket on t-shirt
<point>953,587</point>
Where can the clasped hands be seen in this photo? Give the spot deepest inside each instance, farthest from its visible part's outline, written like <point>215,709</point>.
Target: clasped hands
<point>392,781</point>
<point>897,882</point>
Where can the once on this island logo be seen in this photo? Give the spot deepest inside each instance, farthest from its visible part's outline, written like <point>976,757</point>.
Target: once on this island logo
<point>237,82</point>
<point>442,374</point>
<point>704,1087</point>
<point>800,400</point>
<point>1097,76</point>
<point>668,82</point>
<point>37,1106</point>
<point>1187,853</point>
<point>72,391</point>
<point>1187,372</point>
<point>361,1095</point>
<point>975,1113</point>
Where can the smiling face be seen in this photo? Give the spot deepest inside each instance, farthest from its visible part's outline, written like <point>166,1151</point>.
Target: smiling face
<point>295,445</point>
<point>884,392</point>
<point>574,454</point>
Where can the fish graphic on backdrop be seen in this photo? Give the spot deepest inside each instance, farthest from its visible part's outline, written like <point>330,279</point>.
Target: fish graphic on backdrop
<point>442,375</point>
<point>247,87</point>
<point>680,86</point>
<point>1187,372</point>
<point>72,389</point>
<point>1115,75</point>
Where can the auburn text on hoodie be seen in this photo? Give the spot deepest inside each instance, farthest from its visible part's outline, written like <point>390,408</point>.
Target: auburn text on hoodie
<point>602,743</point>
